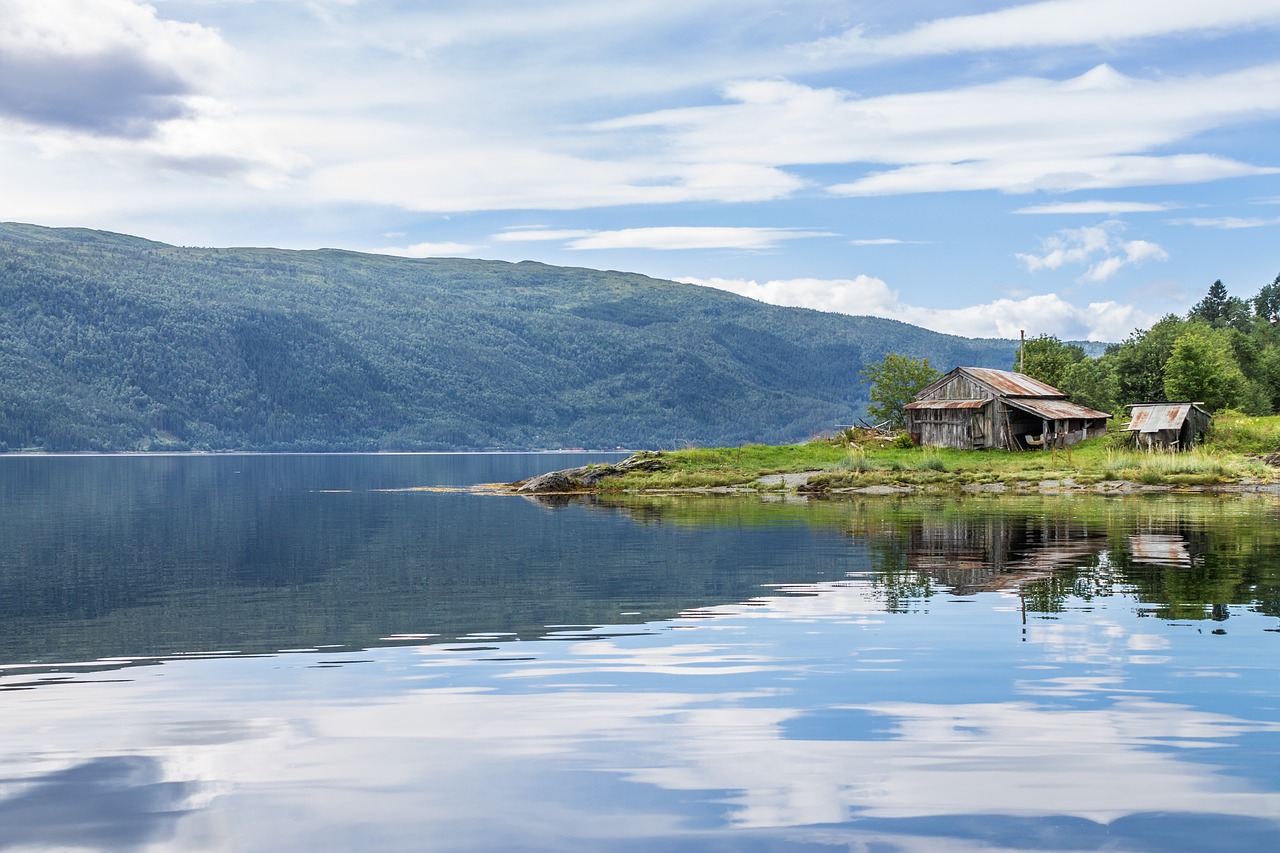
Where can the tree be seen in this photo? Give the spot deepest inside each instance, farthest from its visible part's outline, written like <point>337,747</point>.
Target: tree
<point>1214,305</point>
<point>1267,303</point>
<point>895,381</point>
<point>1219,310</point>
<point>1140,361</point>
<point>1203,368</point>
<point>1092,382</point>
<point>1046,358</point>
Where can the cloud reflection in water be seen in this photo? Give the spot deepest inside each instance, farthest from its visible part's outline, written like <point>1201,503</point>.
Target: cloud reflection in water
<point>758,722</point>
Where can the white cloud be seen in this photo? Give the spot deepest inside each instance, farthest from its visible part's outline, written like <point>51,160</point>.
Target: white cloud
<point>530,235</point>
<point>1017,135</point>
<point>693,237</point>
<point>1057,23</point>
<point>885,241</point>
<point>429,250</point>
<point>460,176</point>
<point>1081,246</point>
<point>1002,318</point>
<point>1107,208</point>
<point>665,237</point>
<point>1228,222</point>
<point>105,62</point>
<point>1057,175</point>
<point>112,79</point>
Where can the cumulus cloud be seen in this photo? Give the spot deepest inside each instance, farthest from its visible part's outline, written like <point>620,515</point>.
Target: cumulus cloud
<point>1100,247</point>
<point>1107,208</point>
<point>108,67</point>
<point>112,79</point>
<point>1056,23</point>
<point>1001,318</point>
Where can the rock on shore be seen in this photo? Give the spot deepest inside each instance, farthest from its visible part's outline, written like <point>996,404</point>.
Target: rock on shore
<point>587,477</point>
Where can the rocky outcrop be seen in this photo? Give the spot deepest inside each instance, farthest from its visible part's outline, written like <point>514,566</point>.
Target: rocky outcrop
<point>587,477</point>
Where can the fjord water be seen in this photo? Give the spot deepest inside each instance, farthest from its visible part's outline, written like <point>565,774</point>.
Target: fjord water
<point>342,653</point>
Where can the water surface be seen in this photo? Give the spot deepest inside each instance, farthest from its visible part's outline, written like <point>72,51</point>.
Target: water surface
<point>295,653</point>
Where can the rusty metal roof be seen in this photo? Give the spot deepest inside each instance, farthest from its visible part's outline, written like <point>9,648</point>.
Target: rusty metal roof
<point>947,404</point>
<point>1056,410</point>
<point>1156,417</point>
<point>1010,384</point>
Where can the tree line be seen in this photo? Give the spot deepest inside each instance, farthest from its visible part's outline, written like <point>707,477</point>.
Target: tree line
<point>1225,353</point>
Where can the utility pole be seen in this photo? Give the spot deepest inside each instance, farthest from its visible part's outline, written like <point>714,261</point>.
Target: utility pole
<point>1022,351</point>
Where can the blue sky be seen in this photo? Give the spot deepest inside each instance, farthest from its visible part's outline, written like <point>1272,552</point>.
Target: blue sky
<point>1073,167</point>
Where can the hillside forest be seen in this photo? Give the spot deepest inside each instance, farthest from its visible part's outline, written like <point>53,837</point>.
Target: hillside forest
<point>115,343</point>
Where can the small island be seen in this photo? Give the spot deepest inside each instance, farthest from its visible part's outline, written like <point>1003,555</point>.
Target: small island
<point>1239,455</point>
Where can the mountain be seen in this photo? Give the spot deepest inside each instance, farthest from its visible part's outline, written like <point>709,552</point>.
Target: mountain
<point>112,342</point>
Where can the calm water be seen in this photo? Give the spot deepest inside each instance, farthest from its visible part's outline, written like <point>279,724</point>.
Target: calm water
<point>285,653</point>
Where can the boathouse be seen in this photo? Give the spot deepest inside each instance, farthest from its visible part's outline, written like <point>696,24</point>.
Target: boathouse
<point>980,407</point>
<point>1168,426</point>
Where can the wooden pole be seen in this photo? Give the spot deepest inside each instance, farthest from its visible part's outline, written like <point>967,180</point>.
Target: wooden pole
<point>1022,351</point>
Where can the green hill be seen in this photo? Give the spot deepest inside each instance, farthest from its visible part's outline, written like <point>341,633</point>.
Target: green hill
<point>111,342</point>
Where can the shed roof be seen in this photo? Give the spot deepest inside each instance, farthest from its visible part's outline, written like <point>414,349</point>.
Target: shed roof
<point>1056,410</point>
<point>1000,383</point>
<point>1010,384</point>
<point>1157,417</point>
<point>947,404</point>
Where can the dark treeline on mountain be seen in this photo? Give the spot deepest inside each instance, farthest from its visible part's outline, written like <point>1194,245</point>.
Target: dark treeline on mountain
<point>110,342</point>
<point>1224,353</point>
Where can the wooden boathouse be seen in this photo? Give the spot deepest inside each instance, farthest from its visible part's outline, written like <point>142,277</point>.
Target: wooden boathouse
<point>980,407</point>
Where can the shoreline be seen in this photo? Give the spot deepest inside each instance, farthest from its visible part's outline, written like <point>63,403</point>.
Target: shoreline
<point>660,473</point>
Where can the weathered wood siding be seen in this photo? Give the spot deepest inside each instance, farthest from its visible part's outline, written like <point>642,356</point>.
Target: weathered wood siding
<point>960,428</point>
<point>944,427</point>
<point>958,387</point>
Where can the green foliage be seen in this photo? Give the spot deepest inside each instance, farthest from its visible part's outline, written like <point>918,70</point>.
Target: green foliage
<point>1203,367</point>
<point>1048,359</point>
<point>1266,305</point>
<point>1092,382</point>
<point>1219,310</point>
<point>1236,432</point>
<point>895,380</point>
<point>109,342</point>
<point>1140,359</point>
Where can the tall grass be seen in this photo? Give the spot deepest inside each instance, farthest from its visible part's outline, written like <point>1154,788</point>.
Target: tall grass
<point>1193,466</point>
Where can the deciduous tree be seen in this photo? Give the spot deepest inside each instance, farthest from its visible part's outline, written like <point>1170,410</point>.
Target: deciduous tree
<point>1046,358</point>
<point>1202,367</point>
<point>895,381</point>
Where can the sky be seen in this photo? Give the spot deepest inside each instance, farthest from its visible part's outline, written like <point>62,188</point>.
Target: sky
<point>1069,167</point>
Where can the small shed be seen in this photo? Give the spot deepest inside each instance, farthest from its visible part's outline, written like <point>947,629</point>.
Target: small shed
<point>1168,426</point>
<point>980,407</point>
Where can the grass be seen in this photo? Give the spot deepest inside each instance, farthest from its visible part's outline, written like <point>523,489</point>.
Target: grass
<point>1230,456</point>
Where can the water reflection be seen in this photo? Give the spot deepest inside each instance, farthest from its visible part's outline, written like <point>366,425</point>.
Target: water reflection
<point>793,721</point>
<point>111,802</point>
<point>481,673</point>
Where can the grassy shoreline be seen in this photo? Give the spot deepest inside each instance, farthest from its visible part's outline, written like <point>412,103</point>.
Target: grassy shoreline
<point>1238,456</point>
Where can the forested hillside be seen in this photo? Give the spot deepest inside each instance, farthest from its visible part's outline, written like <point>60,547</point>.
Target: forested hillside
<point>110,342</point>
